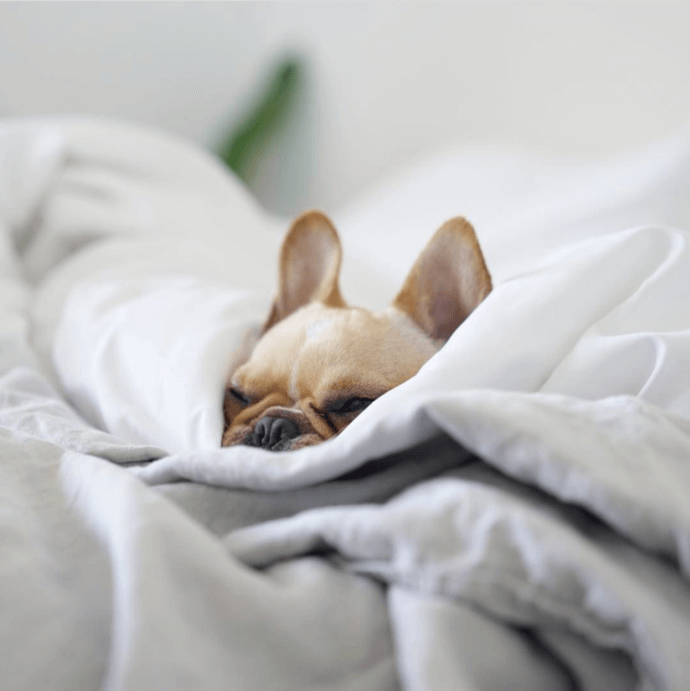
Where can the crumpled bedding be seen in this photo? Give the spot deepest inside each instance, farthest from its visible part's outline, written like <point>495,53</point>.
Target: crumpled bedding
<point>513,517</point>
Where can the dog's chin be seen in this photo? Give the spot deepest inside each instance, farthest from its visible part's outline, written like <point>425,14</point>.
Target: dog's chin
<point>241,435</point>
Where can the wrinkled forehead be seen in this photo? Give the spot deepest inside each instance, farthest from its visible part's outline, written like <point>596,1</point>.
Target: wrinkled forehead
<point>294,332</point>
<point>361,338</point>
<point>321,330</point>
<point>274,357</point>
<point>320,348</point>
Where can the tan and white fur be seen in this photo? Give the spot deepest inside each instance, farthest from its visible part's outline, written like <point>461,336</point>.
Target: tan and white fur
<point>319,362</point>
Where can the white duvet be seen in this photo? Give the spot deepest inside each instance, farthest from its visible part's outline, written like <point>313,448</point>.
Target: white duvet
<point>516,516</point>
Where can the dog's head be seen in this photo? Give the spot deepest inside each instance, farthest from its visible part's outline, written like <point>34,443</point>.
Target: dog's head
<point>318,362</point>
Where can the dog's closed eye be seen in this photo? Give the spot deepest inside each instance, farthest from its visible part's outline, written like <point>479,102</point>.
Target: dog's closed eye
<point>238,396</point>
<point>351,405</point>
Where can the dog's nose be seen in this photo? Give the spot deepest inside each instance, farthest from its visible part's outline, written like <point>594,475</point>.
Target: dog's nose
<point>273,433</point>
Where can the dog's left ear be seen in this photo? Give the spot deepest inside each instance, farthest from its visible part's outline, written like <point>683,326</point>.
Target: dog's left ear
<point>309,267</point>
<point>448,280</point>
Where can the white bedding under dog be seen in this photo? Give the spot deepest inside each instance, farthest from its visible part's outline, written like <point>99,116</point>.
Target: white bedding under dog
<point>517,516</point>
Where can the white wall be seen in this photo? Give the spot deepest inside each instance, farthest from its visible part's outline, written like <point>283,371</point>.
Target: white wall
<point>387,83</point>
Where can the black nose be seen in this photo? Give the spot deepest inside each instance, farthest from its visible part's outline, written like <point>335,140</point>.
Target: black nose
<point>273,433</point>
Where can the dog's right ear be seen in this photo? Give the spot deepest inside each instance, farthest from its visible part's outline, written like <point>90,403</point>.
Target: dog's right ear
<point>309,267</point>
<point>448,280</point>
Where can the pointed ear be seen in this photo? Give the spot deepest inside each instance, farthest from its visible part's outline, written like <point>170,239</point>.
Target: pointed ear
<point>309,267</point>
<point>448,280</point>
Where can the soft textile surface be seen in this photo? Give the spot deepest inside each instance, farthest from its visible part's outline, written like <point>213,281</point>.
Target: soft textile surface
<point>516,516</point>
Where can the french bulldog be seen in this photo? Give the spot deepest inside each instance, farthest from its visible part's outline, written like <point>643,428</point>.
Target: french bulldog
<point>318,362</point>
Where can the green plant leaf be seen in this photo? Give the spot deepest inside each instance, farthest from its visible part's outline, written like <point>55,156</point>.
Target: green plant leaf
<point>245,146</point>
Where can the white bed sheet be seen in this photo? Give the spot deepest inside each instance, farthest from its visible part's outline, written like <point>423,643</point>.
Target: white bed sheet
<point>133,268</point>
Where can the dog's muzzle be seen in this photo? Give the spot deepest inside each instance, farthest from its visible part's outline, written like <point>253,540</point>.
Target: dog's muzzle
<point>273,433</point>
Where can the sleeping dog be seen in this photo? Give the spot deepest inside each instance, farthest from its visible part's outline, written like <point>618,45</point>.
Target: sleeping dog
<point>319,362</point>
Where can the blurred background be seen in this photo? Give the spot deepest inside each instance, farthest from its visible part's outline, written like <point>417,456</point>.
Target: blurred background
<point>311,103</point>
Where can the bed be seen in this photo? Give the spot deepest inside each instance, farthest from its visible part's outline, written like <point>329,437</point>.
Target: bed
<point>515,516</point>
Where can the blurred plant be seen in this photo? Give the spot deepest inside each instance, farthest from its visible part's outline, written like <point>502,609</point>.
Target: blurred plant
<point>246,144</point>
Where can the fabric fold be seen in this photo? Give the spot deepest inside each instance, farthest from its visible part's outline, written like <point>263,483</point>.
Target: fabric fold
<point>526,492</point>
